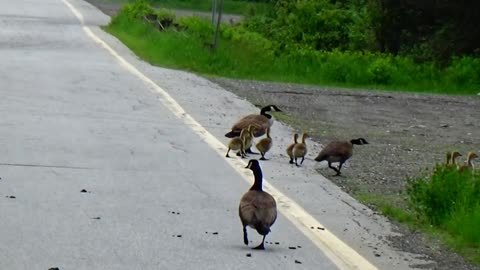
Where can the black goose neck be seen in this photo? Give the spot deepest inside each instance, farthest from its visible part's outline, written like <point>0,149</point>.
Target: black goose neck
<point>257,185</point>
<point>264,110</point>
<point>355,141</point>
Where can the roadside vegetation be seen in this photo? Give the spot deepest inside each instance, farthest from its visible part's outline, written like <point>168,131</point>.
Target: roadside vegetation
<point>445,204</point>
<point>282,47</point>
<point>238,7</point>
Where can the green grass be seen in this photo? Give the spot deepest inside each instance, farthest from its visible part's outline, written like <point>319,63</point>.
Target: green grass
<point>445,205</point>
<point>229,6</point>
<point>246,55</point>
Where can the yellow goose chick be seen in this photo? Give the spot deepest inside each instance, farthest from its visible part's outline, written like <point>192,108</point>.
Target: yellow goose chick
<point>453,158</point>
<point>300,150</point>
<point>265,144</point>
<point>237,143</point>
<point>257,208</point>
<point>249,139</point>
<point>448,157</point>
<point>468,164</point>
<point>290,147</point>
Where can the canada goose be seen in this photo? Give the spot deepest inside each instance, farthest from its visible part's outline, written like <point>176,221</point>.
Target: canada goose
<point>300,150</point>
<point>290,147</point>
<point>257,208</point>
<point>259,121</point>
<point>338,151</point>
<point>453,157</point>
<point>264,144</point>
<point>468,164</point>
<point>237,143</point>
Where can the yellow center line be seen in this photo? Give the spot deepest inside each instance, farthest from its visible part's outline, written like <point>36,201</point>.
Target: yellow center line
<point>342,255</point>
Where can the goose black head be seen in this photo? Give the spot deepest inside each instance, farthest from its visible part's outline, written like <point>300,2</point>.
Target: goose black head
<point>359,141</point>
<point>270,108</point>
<point>253,165</point>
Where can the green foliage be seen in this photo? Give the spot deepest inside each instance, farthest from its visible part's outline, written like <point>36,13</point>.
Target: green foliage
<point>381,70</point>
<point>136,10</point>
<point>449,200</point>
<point>229,6</point>
<point>165,14</point>
<point>197,27</point>
<point>250,55</point>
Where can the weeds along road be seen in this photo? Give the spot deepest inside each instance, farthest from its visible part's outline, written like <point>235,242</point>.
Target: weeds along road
<point>80,112</point>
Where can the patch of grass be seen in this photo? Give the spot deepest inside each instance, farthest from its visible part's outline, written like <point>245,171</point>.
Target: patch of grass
<point>229,6</point>
<point>247,55</point>
<point>449,202</point>
<point>390,206</point>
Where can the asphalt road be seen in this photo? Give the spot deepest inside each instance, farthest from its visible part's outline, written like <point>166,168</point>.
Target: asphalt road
<point>159,195</point>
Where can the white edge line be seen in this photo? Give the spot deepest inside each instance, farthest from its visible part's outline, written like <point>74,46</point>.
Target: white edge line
<point>342,255</point>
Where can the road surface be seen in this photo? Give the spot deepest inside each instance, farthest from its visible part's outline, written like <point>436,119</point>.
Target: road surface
<point>79,111</point>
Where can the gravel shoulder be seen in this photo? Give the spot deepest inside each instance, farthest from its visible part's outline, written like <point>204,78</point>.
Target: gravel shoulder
<point>408,133</point>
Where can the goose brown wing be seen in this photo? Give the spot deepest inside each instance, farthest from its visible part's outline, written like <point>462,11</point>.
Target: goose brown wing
<point>259,122</point>
<point>335,148</point>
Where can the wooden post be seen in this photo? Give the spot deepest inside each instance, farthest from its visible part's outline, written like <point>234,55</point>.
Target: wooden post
<point>220,10</point>
<point>214,8</point>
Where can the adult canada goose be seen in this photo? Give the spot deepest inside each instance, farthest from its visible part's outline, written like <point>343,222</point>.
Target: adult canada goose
<point>259,122</point>
<point>237,143</point>
<point>290,147</point>
<point>257,208</point>
<point>468,164</point>
<point>453,158</point>
<point>300,150</point>
<point>338,151</point>
<point>264,144</point>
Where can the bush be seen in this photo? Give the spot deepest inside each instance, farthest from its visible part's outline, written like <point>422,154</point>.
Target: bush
<point>136,10</point>
<point>381,71</point>
<point>445,194</point>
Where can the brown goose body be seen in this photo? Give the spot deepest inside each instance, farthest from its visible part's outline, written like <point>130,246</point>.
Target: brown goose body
<point>300,150</point>
<point>265,144</point>
<point>257,208</point>
<point>259,121</point>
<point>290,148</point>
<point>338,151</point>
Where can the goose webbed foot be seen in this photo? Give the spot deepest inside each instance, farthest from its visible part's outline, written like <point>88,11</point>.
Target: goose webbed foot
<point>249,151</point>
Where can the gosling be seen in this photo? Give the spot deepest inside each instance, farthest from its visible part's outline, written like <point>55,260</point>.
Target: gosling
<point>300,150</point>
<point>265,144</point>
<point>290,148</point>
